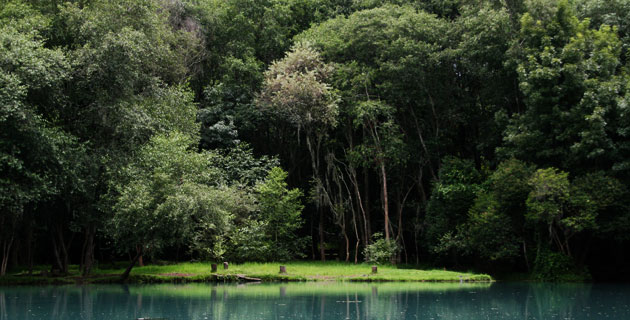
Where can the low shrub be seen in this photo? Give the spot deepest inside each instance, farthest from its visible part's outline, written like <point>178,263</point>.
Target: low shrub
<point>557,267</point>
<point>381,251</point>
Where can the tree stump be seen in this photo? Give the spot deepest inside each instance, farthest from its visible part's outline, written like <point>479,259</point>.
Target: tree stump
<point>213,267</point>
<point>283,269</point>
<point>225,265</point>
<point>374,269</point>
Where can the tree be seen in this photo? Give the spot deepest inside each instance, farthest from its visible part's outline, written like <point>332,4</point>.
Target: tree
<point>559,207</point>
<point>280,210</point>
<point>384,146</point>
<point>214,213</point>
<point>452,196</point>
<point>431,84</point>
<point>297,91</point>
<point>494,229</point>
<point>487,233</point>
<point>609,197</point>
<point>242,38</point>
<point>165,190</point>
<point>37,158</point>
<point>572,82</point>
<point>614,13</point>
<point>127,85</point>
<point>490,231</point>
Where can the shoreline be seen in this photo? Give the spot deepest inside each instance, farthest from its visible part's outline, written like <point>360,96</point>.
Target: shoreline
<point>250,272</point>
<point>211,279</point>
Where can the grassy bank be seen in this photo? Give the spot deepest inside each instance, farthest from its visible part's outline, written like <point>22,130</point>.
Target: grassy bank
<point>266,272</point>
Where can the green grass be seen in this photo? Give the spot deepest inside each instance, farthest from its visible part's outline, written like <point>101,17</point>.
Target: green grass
<point>296,271</point>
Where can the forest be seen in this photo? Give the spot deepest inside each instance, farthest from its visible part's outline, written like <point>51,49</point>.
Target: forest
<point>489,135</point>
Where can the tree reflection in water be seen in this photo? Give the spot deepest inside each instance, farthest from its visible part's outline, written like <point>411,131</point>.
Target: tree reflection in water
<point>392,301</point>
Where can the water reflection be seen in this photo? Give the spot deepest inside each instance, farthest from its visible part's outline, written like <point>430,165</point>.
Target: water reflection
<point>318,301</point>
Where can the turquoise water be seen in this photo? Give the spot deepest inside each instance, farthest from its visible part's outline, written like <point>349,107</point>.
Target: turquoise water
<point>318,301</point>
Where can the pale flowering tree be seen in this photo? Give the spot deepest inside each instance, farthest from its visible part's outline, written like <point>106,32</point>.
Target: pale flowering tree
<point>296,89</point>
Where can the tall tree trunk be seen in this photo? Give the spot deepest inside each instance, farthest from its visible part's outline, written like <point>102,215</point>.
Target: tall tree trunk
<point>65,256</point>
<point>62,255</point>
<point>352,173</point>
<point>400,206</point>
<point>314,152</point>
<point>125,274</point>
<point>360,226</point>
<point>366,193</point>
<point>356,247</point>
<point>56,253</point>
<point>525,256</point>
<point>87,260</point>
<point>399,234</point>
<point>399,210</point>
<point>6,252</point>
<point>313,239</point>
<point>140,260</point>
<point>415,242</point>
<point>355,228</point>
<point>322,246</point>
<point>385,201</point>
<point>338,201</point>
<point>345,236</point>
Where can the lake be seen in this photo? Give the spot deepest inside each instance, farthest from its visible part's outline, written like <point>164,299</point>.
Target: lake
<point>318,301</point>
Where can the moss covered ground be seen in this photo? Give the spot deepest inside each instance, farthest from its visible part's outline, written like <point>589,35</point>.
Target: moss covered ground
<point>265,272</point>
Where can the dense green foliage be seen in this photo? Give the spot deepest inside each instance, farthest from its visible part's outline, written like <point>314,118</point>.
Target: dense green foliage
<point>483,134</point>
